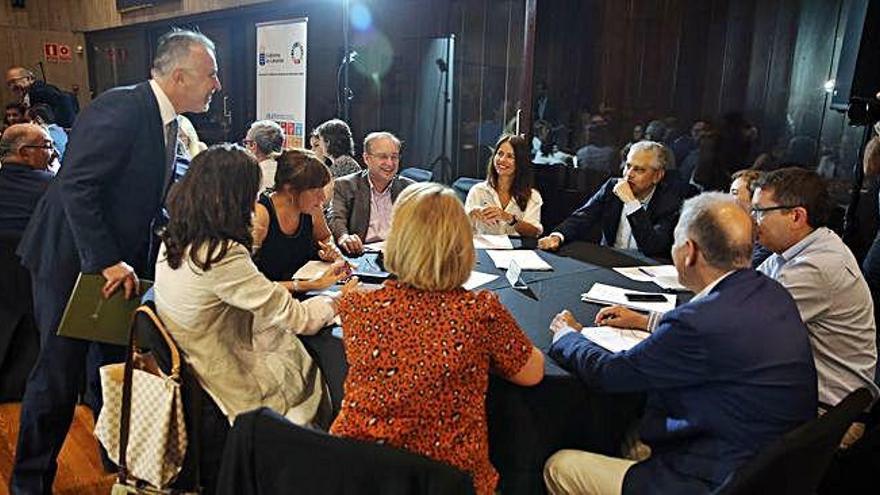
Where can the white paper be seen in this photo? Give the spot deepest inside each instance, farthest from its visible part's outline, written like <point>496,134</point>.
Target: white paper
<point>615,339</point>
<point>666,276</point>
<point>375,246</point>
<point>527,260</point>
<point>608,294</point>
<point>312,269</point>
<point>477,279</point>
<point>492,241</point>
<point>513,273</point>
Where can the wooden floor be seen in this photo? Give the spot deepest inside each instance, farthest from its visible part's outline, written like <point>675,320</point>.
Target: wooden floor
<point>79,466</point>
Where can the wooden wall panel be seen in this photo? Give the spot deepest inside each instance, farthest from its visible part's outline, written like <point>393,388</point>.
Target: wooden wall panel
<point>23,46</point>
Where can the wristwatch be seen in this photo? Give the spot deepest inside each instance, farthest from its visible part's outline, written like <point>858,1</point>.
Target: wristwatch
<point>513,220</point>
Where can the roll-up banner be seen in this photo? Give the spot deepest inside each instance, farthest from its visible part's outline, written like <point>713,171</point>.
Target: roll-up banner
<point>281,76</point>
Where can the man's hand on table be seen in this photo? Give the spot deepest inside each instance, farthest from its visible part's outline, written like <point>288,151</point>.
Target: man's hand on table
<point>351,244</point>
<point>621,317</point>
<point>549,243</point>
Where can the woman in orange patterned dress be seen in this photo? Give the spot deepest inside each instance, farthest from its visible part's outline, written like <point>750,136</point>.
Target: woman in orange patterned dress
<point>421,348</point>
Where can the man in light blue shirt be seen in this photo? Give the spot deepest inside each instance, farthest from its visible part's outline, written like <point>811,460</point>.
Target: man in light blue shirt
<point>791,207</point>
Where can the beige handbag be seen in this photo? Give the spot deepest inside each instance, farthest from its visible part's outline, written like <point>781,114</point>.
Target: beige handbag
<point>142,421</point>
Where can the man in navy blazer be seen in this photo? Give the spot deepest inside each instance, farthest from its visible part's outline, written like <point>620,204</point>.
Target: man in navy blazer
<point>96,218</point>
<point>724,374</point>
<point>636,212</point>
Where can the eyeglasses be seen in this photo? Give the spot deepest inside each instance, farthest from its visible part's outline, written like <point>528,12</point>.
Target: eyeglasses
<point>11,83</point>
<point>759,212</point>
<point>638,169</point>
<point>394,157</point>
<point>44,146</point>
<point>247,142</point>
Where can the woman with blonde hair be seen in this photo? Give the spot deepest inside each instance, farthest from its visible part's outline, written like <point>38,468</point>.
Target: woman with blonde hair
<point>421,348</point>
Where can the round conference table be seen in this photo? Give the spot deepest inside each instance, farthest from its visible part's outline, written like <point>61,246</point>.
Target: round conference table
<point>528,424</point>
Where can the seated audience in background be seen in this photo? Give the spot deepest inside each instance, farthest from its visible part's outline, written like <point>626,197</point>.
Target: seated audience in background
<point>42,115</point>
<point>871,263</point>
<point>598,154</point>
<point>638,134</point>
<point>792,207</point>
<point>336,143</point>
<point>289,224</point>
<point>686,143</point>
<point>506,203</point>
<point>723,151</point>
<point>361,207</point>
<point>189,138</point>
<point>25,153</point>
<point>318,150</point>
<point>725,373</point>
<point>31,92</point>
<point>16,113</point>
<point>398,393</point>
<point>265,139</point>
<point>742,188</point>
<point>208,292</point>
<point>638,211</point>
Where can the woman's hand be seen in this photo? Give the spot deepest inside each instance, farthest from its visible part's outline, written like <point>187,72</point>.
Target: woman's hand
<point>350,286</point>
<point>327,251</point>
<point>338,271</point>
<point>495,215</point>
<point>564,319</point>
<point>620,317</point>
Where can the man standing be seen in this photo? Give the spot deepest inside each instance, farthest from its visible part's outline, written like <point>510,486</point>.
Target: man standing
<point>32,92</point>
<point>725,374</point>
<point>95,218</point>
<point>361,207</point>
<point>792,208</point>
<point>265,139</point>
<point>25,152</point>
<point>636,212</point>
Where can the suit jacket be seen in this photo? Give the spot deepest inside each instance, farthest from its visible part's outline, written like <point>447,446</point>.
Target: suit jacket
<point>724,374</point>
<point>62,106</point>
<point>652,226</point>
<point>21,187</point>
<point>349,211</point>
<point>98,209</point>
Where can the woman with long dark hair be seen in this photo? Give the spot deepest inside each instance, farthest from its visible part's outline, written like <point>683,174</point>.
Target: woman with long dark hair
<point>208,291</point>
<point>506,203</point>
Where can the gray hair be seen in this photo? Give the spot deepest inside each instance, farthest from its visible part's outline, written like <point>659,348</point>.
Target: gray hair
<point>175,47</point>
<point>654,147</point>
<point>267,136</point>
<point>699,222</point>
<point>380,135</point>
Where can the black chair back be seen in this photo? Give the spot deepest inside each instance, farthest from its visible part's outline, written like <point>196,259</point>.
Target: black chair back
<point>796,463</point>
<point>19,337</point>
<point>206,425</point>
<point>417,174</point>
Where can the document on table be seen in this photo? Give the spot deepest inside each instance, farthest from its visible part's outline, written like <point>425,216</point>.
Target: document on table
<point>615,339</point>
<point>527,260</point>
<point>665,276</point>
<point>492,241</point>
<point>608,294</point>
<point>375,247</point>
<point>477,279</point>
<point>312,269</point>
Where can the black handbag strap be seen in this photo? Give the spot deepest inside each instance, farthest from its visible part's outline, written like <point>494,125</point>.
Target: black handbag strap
<point>125,419</point>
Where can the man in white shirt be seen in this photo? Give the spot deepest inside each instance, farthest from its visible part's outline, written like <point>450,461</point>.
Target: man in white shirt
<point>265,139</point>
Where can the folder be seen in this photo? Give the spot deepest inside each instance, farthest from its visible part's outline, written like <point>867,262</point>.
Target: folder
<point>89,316</point>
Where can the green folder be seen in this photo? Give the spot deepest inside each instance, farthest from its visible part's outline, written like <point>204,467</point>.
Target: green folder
<point>89,316</point>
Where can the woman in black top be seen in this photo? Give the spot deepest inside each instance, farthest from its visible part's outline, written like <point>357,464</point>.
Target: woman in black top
<point>289,224</point>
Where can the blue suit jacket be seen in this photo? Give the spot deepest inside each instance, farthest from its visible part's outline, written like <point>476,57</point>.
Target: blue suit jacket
<point>724,375</point>
<point>652,226</point>
<point>98,209</point>
<point>21,187</point>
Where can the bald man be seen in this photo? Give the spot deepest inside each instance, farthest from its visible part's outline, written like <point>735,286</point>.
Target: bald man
<point>724,374</point>
<point>25,152</point>
<point>32,91</point>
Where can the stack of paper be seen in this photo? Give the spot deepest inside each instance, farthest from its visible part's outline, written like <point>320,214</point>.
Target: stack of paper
<point>608,294</point>
<point>477,279</point>
<point>492,241</point>
<point>615,339</point>
<point>527,260</point>
<point>665,276</point>
<point>312,269</point>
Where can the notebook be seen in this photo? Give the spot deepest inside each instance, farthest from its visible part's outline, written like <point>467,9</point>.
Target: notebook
<point>89,316</point>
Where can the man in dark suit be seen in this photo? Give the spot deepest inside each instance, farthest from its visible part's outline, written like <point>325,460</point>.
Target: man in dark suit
<point>361,207</point>
<point>636,212</point>
<point>724,374</point>
<point>25,152</point>
<point>96,218</point>
<point>32,92</point>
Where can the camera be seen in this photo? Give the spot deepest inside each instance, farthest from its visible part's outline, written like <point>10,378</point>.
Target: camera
<point>863,111</point>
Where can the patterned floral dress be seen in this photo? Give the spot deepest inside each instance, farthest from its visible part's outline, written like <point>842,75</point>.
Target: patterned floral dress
<point>418,372</point>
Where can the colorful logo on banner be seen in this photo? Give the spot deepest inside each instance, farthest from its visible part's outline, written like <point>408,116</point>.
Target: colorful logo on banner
<point>293,133</point>
<point>297,51</point>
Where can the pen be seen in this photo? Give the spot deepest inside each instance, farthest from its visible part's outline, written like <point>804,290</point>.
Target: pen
<point>646,272</point>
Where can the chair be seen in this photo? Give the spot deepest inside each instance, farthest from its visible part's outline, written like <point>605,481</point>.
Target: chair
<point>463,185</point>
<point>417,174</point>
<point>795,463</point>
<point>267,454</point>
<point>206,425</point>
<point>19,337</point>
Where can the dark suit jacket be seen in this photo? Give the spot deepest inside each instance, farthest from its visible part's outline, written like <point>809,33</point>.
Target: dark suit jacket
<point>21,187</point>
<point>724,375</point>
<point>349,211</point>
<point>61,105</point>
<point>651,227</point>
<point>98,209</point>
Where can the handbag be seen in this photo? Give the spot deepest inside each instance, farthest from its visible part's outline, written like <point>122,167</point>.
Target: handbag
<point>142,421</point>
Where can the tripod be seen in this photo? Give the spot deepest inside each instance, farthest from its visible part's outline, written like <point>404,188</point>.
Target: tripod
<point>441,166</point>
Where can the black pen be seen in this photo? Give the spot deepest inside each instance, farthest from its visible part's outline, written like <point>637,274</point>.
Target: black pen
<point>646,272</point>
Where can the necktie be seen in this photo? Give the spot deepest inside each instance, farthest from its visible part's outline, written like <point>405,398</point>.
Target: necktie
<point>170,153</point>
